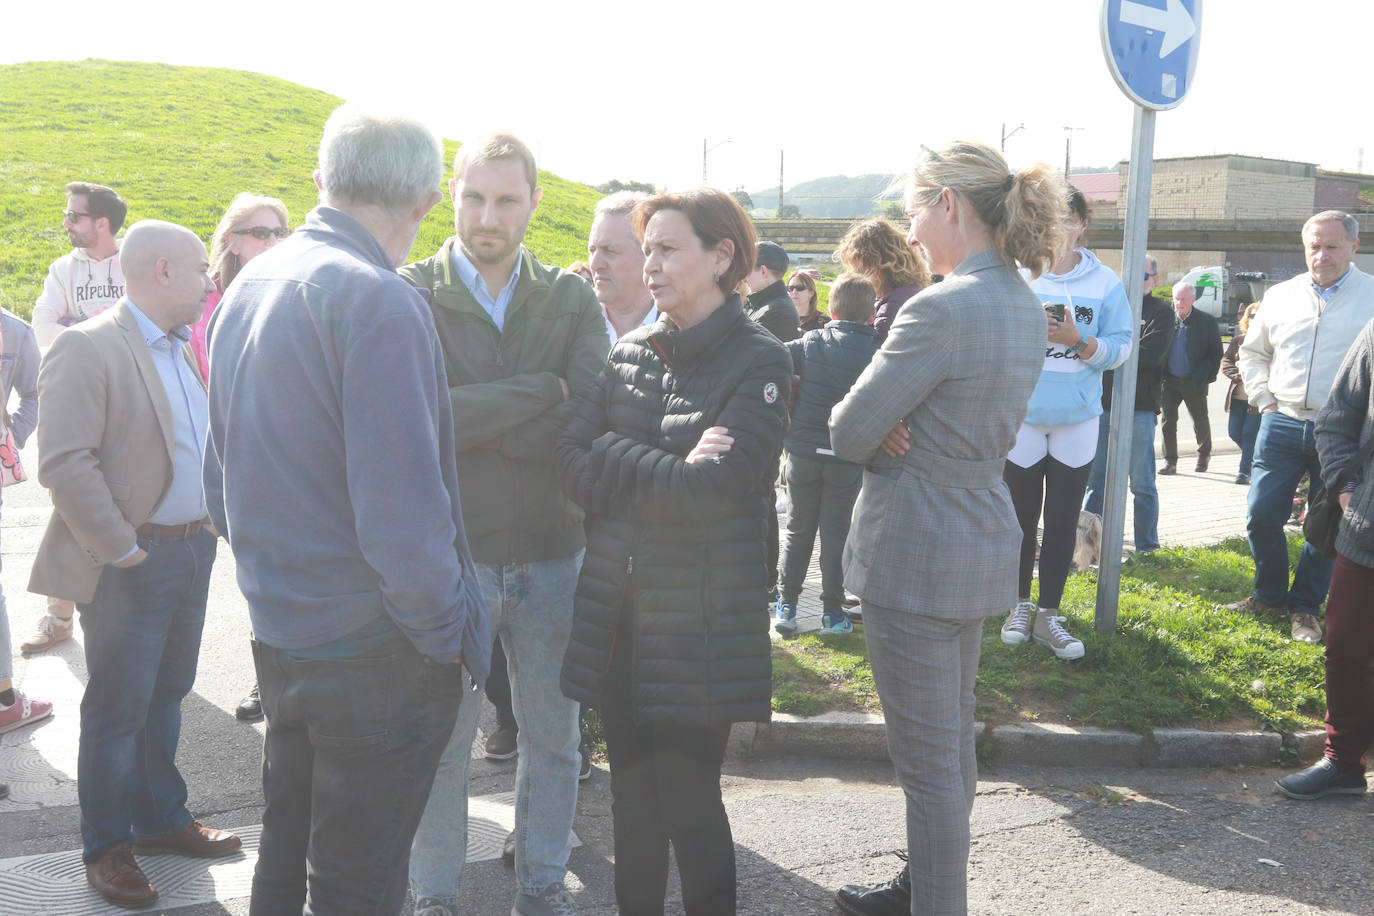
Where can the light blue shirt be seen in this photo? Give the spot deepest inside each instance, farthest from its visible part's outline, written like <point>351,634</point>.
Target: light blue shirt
<point>495,307</point>
<point>185,499</point>
<point>1326,294</point>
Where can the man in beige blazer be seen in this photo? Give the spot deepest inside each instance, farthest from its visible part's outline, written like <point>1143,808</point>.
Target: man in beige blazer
<point>120,450</point>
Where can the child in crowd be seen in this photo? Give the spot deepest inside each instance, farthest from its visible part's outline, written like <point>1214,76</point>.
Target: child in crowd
<point>821,488</point>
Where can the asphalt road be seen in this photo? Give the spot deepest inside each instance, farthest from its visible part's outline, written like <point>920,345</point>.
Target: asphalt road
<point>1065,841</point>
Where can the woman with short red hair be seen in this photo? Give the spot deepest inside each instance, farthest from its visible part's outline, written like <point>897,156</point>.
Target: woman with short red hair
<point>673,457</point>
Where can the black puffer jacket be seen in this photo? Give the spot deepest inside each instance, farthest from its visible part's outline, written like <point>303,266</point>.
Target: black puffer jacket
<point>773,308</point>
<point>682,546</point>
<point>828,361</point>
<point>814,322</point>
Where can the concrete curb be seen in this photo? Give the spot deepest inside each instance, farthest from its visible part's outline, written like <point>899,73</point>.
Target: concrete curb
<point>862,736</point>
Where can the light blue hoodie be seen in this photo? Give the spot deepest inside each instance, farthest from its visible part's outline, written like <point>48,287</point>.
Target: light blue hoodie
<point>1070,387</point>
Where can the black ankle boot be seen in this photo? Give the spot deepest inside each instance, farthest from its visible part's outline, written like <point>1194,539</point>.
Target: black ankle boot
<point>890,899</point>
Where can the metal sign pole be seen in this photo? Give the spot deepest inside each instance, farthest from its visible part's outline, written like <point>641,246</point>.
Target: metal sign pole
<point>1123,390</point>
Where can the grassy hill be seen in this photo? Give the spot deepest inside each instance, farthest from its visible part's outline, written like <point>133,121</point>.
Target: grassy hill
<point>832,197</point>
<point>178,143</point>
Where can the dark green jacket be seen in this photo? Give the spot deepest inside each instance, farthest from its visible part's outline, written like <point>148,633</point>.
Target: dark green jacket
<point>508,407</point>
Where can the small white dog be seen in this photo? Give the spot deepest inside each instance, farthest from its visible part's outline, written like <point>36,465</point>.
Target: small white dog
<point>1088,544</point>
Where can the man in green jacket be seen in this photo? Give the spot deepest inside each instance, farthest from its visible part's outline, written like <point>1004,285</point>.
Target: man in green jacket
<point>523,344</point>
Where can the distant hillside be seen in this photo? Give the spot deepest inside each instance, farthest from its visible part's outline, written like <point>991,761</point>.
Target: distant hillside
<point>833,197</point>
<point>178,143</point>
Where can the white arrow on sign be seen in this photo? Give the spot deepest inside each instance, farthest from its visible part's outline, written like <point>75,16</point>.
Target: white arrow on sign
<point>1173,21</point>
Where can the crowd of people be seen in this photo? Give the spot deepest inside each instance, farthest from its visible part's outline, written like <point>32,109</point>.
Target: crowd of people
<point>477,469</point>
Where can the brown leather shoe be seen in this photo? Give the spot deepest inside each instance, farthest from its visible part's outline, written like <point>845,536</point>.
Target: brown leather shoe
<point>195,840</point>
<point>117,877</point>
<point>1201,465</point>
<point>1169,468</point>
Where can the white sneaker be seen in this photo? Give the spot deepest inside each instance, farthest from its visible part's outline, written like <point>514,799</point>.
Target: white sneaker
<point>1049,631</point>
<point>1016,629</point>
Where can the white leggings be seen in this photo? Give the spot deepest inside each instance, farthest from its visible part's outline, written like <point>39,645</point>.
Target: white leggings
<point>1072,446</point>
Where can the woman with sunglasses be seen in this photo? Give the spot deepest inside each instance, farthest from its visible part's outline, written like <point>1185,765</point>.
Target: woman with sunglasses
<point>801,288</point>
<point>250,226</point>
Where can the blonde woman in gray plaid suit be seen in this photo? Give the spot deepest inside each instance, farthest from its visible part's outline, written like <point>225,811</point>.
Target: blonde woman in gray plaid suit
<point>934,543</point>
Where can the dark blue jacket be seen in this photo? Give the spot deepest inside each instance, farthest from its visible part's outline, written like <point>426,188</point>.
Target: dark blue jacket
<point>828,360</point>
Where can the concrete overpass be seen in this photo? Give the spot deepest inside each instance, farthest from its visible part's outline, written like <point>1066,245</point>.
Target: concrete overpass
<point>818,238</point>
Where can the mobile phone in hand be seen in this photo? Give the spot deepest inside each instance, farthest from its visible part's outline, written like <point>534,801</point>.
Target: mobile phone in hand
<point>1055,310</point>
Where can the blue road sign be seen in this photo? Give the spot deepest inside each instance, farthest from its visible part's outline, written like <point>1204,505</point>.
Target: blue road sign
<point>1151,48</point>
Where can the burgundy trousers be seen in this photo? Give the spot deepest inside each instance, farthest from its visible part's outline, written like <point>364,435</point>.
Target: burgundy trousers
<point>1349,657</point>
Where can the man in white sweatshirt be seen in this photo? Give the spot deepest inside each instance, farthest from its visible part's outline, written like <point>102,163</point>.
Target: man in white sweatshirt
<point>85,281</point>
<point>1288,363</point>
<point>81,284</point>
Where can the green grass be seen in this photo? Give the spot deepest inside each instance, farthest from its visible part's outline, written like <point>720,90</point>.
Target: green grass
<point>178,143</point>
<point>1177,658</point>
<point>812,675</point>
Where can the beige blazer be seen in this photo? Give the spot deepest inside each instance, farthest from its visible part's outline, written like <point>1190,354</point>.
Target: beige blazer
<point>105,446</point>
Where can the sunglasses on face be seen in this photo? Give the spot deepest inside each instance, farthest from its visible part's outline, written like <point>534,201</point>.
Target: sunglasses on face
<point>262,233</point>
<point>71,216</point>
<point>799,289</point>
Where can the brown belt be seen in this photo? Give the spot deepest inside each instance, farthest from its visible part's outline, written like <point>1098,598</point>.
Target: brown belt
<point>190,529</point>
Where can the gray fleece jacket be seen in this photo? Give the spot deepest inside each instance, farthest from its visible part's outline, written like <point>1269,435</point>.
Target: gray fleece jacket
<point>1343,425</point>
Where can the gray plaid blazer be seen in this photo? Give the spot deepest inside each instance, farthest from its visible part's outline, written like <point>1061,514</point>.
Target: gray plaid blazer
<point>935,532</point>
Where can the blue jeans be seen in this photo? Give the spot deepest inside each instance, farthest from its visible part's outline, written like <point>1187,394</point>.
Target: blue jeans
<point>1243,426</point>
<point>142,633</point>
<point>1141,473</point>
<point>531,612</point>
<point>1284,449</point>
<point>351,749</point>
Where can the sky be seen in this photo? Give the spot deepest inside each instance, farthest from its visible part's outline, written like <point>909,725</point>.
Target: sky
<point>610,89</point>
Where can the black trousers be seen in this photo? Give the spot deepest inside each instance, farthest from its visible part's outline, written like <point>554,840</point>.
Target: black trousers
<point>665,788</point>
<point>1194,397</point>
<point>1058,490</point>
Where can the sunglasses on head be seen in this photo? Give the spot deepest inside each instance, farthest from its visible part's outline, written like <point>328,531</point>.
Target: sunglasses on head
<point>262,233</point>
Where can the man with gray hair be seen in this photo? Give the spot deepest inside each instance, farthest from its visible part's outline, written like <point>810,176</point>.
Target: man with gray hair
<point>617,263</point>
<point>331,470</point>
<point>1288,364</point>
